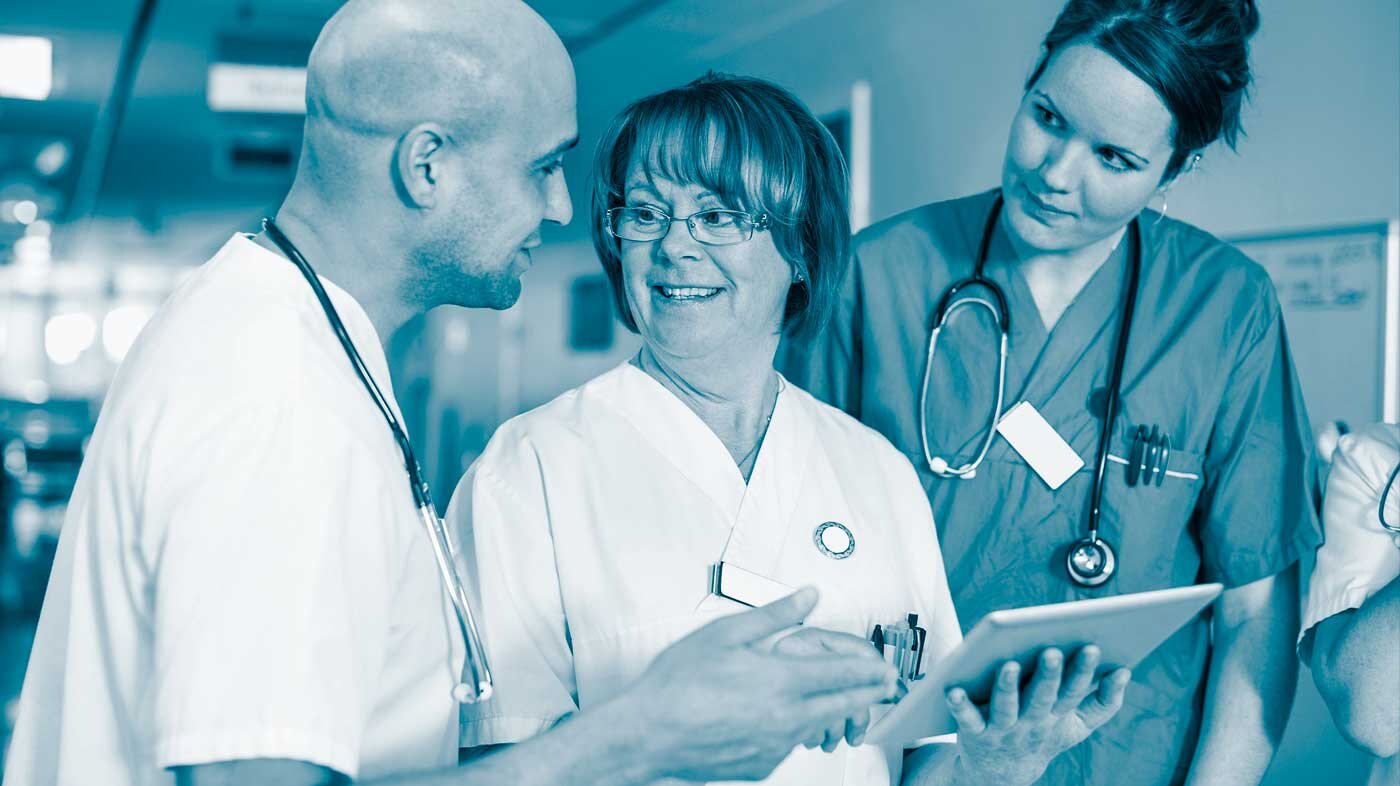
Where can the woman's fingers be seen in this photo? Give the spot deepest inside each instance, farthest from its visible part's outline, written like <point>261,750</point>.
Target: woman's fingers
<point>1006,701</point>
<point>965,713</point>
<point>1106,701</point>
<point>1045,686</point>
<point>1080,680</point>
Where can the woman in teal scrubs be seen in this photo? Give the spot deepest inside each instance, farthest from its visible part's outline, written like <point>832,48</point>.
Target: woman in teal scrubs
<point>1126,96</point>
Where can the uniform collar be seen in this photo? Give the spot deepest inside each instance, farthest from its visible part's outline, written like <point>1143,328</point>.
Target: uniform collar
<point>352,314</point>
<point>683,439</point>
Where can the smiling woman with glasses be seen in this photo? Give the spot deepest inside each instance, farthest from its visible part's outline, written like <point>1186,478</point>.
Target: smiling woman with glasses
<point>595,520</point>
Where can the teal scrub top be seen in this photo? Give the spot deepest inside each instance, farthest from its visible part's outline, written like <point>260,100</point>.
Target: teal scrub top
<point>1207,361</point>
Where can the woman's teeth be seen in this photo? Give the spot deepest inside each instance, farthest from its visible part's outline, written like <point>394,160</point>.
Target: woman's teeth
<point>688,293</point>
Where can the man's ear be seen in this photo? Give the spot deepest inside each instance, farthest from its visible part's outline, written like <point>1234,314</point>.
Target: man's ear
<point>418,163</point>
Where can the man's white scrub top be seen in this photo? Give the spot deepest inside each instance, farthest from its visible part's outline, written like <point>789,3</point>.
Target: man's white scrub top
<point>242,573</point>
<point>592,523</point>
<point>1359,557</point>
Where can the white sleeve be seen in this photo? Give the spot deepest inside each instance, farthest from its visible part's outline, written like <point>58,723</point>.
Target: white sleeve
<point>271,589</point>
<point>1358,557</point>
<point>500,516</point>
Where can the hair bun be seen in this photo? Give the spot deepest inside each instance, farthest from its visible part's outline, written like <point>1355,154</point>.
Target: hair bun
<point>1248,14</point>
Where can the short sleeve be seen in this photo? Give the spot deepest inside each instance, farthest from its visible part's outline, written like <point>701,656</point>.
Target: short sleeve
<point>1359,557</point>
<point>500,516</point>
<point>1258,506</point>
<point>829,365</point>
<point>271,589</point>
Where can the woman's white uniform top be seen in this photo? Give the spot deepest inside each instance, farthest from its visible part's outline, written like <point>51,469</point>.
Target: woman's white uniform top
<point>591,524</point>
<point>1359,557</point>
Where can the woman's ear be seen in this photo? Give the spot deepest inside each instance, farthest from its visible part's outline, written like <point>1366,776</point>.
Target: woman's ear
<point>1187,167</point>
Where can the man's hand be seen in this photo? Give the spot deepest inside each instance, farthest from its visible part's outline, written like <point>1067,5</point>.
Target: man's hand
<point>816,642</point>
<point>717,706</point>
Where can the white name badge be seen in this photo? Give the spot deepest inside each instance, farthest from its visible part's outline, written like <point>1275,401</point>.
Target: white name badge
<point>1039,444</point>
<point>751,589</point>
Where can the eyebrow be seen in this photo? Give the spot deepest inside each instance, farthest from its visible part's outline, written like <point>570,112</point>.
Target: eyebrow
<point>559,149</point>
<point>1141,160</point>
<point>628,188</point>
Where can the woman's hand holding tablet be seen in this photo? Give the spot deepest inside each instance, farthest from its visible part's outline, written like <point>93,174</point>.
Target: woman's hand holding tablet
<point>1020,730</point>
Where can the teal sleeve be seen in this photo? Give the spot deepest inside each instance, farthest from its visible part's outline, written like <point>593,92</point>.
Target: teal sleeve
<point>829,364</point>
<point>1258,510</point>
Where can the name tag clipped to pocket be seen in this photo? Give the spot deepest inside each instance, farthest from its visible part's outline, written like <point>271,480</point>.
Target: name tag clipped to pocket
<point>728,580</point>
<point>1039,444</point>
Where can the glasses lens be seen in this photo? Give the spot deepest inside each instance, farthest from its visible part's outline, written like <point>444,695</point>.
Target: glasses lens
<point>639,223</point>
<point>721,227</point>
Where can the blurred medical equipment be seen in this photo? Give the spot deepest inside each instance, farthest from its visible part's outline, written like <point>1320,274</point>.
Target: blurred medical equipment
<point>1091,560</point>
<point>479,688</point>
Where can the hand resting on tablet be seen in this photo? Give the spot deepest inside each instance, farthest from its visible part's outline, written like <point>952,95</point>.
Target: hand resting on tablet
<point>1012,739</point>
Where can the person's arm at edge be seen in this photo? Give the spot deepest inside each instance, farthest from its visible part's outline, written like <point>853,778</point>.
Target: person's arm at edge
<point>1252,678</point>
<point>1354,666</point>
<point>605,747</point>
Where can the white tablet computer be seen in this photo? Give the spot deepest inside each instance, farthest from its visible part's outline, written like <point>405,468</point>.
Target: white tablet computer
<point>1125,627</point>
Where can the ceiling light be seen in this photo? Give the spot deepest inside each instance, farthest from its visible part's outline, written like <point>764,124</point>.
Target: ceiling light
<point>239,87</point>
<point>25,211</point>
<point>33,250</point>
<point>26,67</point>
<point>67,336</point>
<point>36,391</point>
<point>52,158</point>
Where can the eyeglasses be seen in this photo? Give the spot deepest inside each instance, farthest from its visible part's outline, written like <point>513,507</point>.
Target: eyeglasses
<point>711,227</point>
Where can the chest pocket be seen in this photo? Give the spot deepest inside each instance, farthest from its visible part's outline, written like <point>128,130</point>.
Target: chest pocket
<point>1150,524</point>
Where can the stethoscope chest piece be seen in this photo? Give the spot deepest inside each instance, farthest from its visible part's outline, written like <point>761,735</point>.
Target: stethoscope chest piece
<point>833,539</point>
<point>1090,561</point>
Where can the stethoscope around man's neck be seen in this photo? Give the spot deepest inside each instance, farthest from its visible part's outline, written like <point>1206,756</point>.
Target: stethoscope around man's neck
<point>1090,561</point>
<point>478,686</point>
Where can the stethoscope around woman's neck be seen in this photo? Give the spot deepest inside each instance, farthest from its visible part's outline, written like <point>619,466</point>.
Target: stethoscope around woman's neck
<point>1090,560</point>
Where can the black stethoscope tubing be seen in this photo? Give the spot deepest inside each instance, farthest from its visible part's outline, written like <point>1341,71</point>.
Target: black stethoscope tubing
<point>1107,561</point>
<point>1385,497</point>
<point>482,684</point>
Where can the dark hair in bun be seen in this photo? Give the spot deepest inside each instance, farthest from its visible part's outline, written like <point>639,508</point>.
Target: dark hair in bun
<point>1193,53</point>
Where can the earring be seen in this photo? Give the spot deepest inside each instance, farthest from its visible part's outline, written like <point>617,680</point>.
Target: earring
<point>797,278</point>
<point>1161,214</point>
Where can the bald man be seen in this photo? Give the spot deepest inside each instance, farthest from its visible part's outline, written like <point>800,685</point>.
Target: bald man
<point>243,592</point>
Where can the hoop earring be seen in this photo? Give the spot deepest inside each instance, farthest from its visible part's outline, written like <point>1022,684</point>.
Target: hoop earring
<point>1161,214</point>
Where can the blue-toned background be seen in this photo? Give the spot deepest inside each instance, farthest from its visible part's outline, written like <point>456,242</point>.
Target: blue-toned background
<point>128,155</point>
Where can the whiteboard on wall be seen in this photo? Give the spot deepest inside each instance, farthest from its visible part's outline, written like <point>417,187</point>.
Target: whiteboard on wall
<point>1340,293</point>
